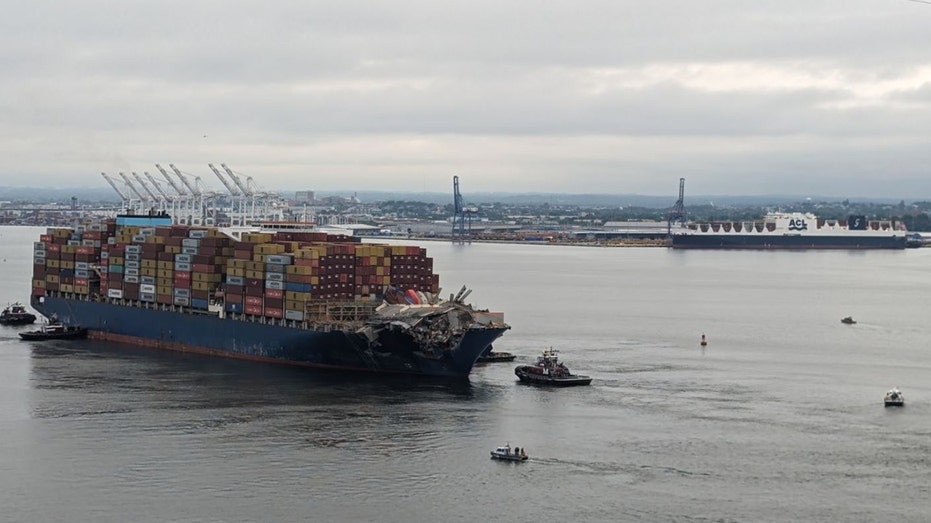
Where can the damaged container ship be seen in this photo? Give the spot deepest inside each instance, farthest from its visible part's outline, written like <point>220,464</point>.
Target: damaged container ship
<point>298,297</point>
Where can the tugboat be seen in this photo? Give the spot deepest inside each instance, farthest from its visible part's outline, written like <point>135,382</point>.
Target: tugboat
<point>16,314</point>
<point>55,331</point>
<point>490,356</point>
<point>505,453</point>
<point>894,398</point>
<point>847,320</point>
<point>549,371</point>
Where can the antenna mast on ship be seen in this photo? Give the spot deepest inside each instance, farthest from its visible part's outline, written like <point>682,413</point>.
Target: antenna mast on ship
<point>677,213</point>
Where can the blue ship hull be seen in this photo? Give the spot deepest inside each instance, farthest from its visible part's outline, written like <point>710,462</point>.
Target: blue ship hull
<point>385,348</point>
<point>800,241</point>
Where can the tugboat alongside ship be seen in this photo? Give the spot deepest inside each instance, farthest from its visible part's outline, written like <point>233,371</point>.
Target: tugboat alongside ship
<point>16,314</point>
<point>548,370</point>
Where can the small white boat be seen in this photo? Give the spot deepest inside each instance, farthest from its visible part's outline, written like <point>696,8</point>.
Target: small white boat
<point>894,398</point>
<point>508,454</point>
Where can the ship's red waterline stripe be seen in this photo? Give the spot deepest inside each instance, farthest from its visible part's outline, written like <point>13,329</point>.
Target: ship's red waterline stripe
<point>196,349</point>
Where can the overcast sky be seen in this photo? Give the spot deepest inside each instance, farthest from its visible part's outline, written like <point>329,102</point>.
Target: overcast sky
<point>807,97</point>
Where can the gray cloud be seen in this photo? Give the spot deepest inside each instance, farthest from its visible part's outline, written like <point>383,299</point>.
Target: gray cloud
<point>739,97</point>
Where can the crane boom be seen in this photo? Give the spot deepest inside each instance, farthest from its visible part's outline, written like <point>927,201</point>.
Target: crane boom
<point>226,183</point>
<point>145,186</point>
<point>171,182</point>
<point>243,187</point>
<point>192,188</point>
<point>115,188</point>
<point>131,186</point>
<point>158,187</point>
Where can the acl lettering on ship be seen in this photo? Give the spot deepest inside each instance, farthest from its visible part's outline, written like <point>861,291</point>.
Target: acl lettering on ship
<point>798,224</point>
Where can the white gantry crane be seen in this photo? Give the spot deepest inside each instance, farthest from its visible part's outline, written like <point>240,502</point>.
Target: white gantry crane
<point>144,203</point>
<point>250,190</point>
<point>126,202</point>
<point>170,200</point>
<point>203,214</point>
<point>156,199</point>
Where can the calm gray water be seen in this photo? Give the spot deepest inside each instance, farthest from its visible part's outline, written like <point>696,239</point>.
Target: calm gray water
<point>779,418</point>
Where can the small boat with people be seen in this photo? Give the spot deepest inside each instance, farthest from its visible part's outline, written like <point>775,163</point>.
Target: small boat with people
<point>548,370</point>
<point>894,398</point>
<point>506,453</point>
<point>55,331</point>
<point>847,320</point>
<point>16,314</point>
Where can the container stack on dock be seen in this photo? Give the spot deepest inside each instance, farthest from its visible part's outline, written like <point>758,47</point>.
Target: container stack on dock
<point>283,275</point>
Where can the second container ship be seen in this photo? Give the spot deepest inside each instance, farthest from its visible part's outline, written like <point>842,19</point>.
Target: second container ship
<point>793,231</point>
<point>300,298</point>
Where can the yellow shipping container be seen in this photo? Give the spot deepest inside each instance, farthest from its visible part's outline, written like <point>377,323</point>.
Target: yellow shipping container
<point>207,277</point>
<point>236,272</point>
<point>166,266</point>
<point>38,284</point>
<point>81,289</point>
<point>238,264</point>
<point>163,287</point>
<point>149,264</point>
<point>149,272</point>
<point>202,286</point>
<point>255,275</point>
<point>53,263</point>
<point>52,278</point>
<point>67,264</point>
<point>173,249</point>
<point>299,269</point>
<point>166,274</point>
<point>268,248</point>
<point>255,266</point>
<point>117,260</point>
<point>294,305</point>
<point>66,287</point>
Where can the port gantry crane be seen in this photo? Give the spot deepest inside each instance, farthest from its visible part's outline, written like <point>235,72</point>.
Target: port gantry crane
<point>462,215</point>
<point>202,214</point>
<point>144,201</point>
<point>237,198</point>
<point>157,200</point>
<point>249,191</point>
<point>186,204</point>
<point>126,202</point>
<point>677,213</point>
<point>170,200</point>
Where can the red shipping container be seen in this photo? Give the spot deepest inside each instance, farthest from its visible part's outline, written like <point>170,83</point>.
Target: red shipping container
<point>233,298</point>
<point>273,312</point>
<point>80,281</point>
<point>165,299</point>
<point>182,283</point>
<point>234,289</point>
<point>274,293</point>
<point>254,310</point>
<point>254,300</point>
<point>38,291</point>
<point>182,275</point>
<point>255,291</point>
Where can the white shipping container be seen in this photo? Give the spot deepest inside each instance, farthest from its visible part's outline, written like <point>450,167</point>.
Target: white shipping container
<point>115,293</point>
<point>147,288</point>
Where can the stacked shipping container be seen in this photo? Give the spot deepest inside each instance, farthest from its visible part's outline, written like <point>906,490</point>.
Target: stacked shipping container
<point>278,275</point>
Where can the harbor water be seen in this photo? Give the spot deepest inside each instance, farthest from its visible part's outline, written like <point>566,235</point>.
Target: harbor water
<point>779,418</point>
